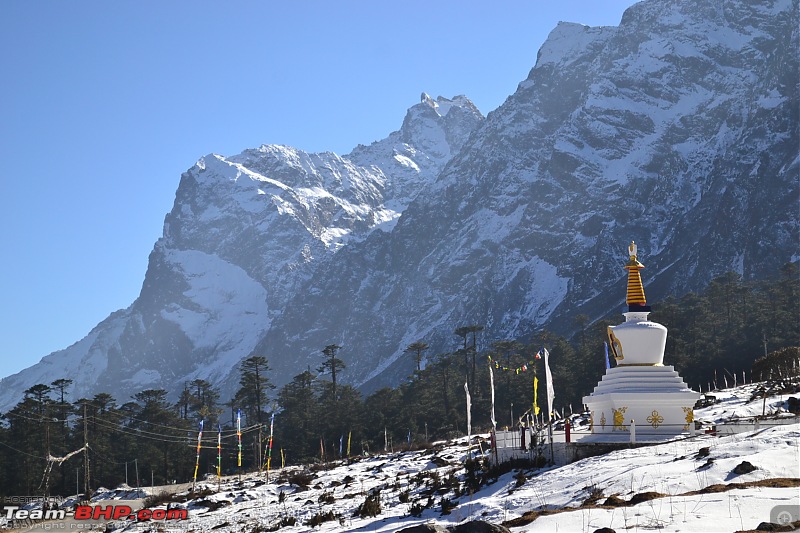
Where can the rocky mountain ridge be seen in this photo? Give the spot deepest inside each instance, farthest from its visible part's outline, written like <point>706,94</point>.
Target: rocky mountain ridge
<point>677,129</point>
<point>245,233</point>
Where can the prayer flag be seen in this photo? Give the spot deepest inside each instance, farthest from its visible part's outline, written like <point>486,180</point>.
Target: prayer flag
<point>491,386</point>
<point>197,462</point>
<point>549,382</point>
<point>219,450</point>
<point>239,436</point>
<point>269,444</point>
<point>469,410</point>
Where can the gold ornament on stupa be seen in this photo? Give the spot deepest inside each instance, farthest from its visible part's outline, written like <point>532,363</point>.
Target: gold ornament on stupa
<point>635,296</point>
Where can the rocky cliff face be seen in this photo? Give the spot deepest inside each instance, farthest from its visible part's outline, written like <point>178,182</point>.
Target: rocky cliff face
<point>243,238</point>
<point>678,129</point>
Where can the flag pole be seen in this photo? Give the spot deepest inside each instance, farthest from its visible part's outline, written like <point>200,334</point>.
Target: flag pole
<point>469,419</point>
<point>239,440</point>
<point>550,397</point>
<point>494,421</point>
<point>197,461</point>
<point>219,457</point>
<point>269,444</point>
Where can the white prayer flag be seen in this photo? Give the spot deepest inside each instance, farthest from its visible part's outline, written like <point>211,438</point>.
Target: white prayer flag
<point>491,385</point>
<point>549,379</point>
<point>469,411</point>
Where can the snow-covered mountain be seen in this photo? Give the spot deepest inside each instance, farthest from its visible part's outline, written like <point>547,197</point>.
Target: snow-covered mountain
<point>677,129</point>
<point>244,236</point>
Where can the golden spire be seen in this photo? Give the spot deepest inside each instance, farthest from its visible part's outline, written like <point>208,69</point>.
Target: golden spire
<point>635,298</point>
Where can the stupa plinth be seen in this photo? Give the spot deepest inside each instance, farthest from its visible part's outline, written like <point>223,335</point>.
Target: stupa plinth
<point>639,387</point>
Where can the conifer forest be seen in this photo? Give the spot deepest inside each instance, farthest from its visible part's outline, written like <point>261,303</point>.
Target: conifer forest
<point>53,444</point>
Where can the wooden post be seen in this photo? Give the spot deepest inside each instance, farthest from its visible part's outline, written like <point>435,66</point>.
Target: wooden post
<point>85,454</point>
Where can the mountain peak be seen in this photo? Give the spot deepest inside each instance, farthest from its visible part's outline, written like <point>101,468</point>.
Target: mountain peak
<point>443,105</point>
<point>432,132</point>
<point>568,41</point>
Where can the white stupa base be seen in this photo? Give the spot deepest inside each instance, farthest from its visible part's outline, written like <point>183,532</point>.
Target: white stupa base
<point>655,397</point>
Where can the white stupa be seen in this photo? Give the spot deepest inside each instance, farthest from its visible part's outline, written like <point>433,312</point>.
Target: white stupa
<point>639,388</point>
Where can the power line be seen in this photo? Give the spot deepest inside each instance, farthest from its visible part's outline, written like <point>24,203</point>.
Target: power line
<point>23,453</point>
<point>39,418</point>
<point>137,432</point>
<point>174,439</point>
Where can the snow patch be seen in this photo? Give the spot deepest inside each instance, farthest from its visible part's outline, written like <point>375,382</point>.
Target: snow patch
<point>224,308</point>
<point>144,377</point>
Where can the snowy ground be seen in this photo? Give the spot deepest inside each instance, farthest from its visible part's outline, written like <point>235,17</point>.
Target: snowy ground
<point>684,485</point>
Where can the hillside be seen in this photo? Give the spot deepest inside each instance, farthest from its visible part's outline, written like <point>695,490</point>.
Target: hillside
<point>685,485</point>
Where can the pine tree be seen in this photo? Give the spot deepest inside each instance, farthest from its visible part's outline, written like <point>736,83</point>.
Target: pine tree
<point>474,329</point>
<point>299,421</point>
<point>59,430</point>
<point>383,411</point>
<point>442,365</point>
<point>161,444</point>
<point>463,332</point>
<point>184,402</point>
<point>253,387</point>
<point>205,401</point>
<point>417,348</point>
<point>332,364</point>
<point>29,430</point>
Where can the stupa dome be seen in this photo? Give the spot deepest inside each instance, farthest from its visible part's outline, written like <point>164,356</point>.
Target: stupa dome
<point>637,341</point>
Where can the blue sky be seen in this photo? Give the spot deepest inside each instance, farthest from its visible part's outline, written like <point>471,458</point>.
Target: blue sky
<point>104,104</point>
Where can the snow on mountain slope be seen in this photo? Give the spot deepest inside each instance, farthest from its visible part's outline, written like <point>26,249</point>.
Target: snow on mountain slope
<point>245,234</point>
<point>683,485</point>
<point>225,311</point>
<point>433,132</point>
<point>668,469</point>
<point>84,362</point>
<point>678,129</point>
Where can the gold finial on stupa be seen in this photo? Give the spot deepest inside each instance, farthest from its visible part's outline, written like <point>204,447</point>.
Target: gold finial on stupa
<point>635,297</point>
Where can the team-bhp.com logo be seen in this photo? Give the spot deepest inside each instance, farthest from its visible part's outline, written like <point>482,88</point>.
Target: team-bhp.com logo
<point>88,512</point>
<point>124,512</point>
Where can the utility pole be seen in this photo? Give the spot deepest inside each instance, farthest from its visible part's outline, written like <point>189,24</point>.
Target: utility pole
<point>47,446</point>
<point>85,454</point>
